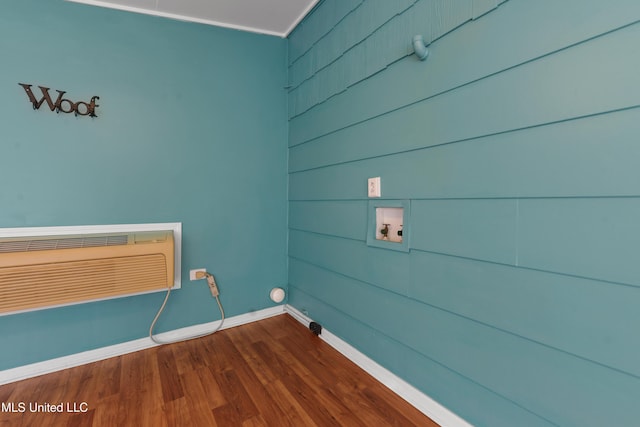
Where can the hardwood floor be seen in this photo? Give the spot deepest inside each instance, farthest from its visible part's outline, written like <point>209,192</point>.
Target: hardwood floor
<point>274,372</point>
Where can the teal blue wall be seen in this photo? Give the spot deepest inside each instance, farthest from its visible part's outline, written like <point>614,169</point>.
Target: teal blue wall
<point>191,128</point>
<point>517,144</point>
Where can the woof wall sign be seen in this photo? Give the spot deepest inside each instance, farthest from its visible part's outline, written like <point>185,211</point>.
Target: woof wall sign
<point>61,104</point>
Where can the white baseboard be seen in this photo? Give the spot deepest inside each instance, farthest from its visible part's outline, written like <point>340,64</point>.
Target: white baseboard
<point>415,397</point>
<point>53,365</point>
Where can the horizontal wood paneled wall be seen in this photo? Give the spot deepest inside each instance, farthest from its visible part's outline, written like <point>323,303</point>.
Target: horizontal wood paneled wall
<point>366,37</point>
<point>517,143</point>
<point>481,50</point>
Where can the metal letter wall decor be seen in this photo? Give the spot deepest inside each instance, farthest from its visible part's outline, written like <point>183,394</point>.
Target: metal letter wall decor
<point>61,104</point>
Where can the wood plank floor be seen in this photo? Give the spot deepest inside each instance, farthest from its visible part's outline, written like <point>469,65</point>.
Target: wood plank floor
<point>274,372</point>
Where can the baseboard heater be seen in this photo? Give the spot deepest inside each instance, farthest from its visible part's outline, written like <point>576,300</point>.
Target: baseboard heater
<point>44,271</point>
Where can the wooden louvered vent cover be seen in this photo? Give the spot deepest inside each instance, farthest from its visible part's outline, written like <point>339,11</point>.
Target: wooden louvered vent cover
<point>49,271</point>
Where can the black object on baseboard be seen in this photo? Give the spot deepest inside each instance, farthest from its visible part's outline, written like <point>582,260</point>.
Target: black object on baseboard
<point>316,328</point>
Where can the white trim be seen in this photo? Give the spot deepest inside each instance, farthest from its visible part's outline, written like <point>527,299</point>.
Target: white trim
<point>179,17</point>
<point>304,13</point>
<point>53,365</point>
<point>415,397</point>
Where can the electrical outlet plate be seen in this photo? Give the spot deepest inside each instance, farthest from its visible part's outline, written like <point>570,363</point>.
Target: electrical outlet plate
<point>192,273</point>
<point>373,186</point>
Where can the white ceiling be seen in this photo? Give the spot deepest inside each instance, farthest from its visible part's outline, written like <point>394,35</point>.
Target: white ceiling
<point>274,17</point>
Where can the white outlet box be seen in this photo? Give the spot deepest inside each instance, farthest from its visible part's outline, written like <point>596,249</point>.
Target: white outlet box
<point>389,224</point>
<point>373,186</point>
<point>391,220</point>
<point>192,273</point>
